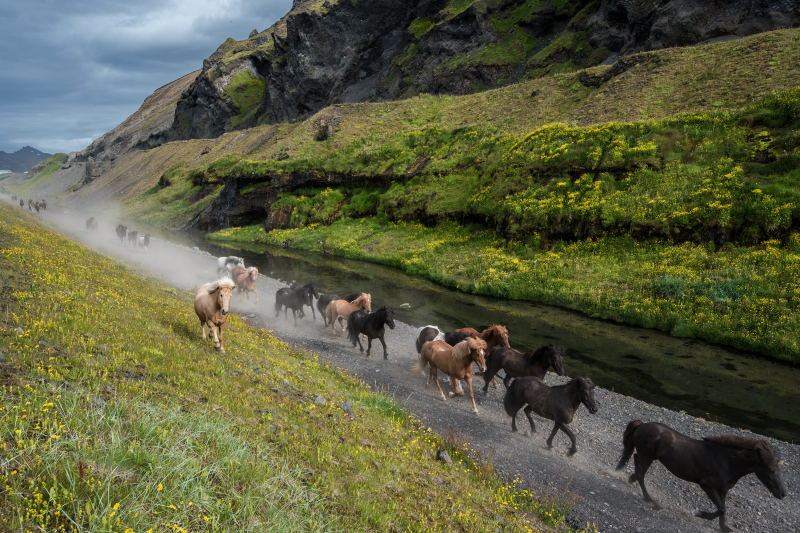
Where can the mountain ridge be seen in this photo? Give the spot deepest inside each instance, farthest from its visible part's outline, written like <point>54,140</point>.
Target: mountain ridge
<point>22,160</point>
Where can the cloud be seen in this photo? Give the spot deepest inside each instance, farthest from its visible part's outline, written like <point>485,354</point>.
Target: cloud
<point>73,70</point>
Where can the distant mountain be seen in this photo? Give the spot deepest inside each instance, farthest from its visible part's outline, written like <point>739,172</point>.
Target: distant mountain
<point>21,160</point>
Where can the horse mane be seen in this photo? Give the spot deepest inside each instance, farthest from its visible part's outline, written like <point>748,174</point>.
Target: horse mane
<point>252,271</point>
<point>463,348</point>
<point>222,283</point>
<point>498,330</point>
<point>358,300</point>
<point>759,449</point>
<point>537,353</point>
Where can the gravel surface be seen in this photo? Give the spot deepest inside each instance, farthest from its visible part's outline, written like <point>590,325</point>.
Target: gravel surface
<point>605,497</point>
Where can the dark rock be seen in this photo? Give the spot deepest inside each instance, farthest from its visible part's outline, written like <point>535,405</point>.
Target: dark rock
<point>320,401</point>
<point>253,34</point>
<point>443,456</point>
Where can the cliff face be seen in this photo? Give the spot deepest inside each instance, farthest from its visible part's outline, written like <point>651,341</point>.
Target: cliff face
<point>323,53</point>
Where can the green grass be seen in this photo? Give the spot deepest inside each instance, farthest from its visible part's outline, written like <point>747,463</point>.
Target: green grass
<point>739,296</point>
<point>116,417</point>
<point>246,90</point>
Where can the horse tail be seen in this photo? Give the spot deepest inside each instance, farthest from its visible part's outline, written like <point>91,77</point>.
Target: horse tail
<point>352,331</point>
<point>278,305</point>
<point>421,365</point>
<point>627,443</point>
<point>510,402</point>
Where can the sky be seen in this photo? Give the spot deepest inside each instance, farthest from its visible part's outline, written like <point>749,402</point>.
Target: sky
<point>71,70</point>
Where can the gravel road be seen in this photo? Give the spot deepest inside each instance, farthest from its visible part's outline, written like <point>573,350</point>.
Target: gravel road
<point>605,496</point>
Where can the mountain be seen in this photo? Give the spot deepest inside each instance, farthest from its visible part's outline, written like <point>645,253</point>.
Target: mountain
<point>21,160</point>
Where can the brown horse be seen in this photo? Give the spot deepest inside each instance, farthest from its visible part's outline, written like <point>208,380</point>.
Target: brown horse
<point>493,335</point>
<point>455,361</point>
<point>715,463</point>
<point>245,280</point>
<point>342,308</point>
<point>212,303</point>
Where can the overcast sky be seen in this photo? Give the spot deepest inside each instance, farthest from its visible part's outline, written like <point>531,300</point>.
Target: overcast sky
<point>71,70</point>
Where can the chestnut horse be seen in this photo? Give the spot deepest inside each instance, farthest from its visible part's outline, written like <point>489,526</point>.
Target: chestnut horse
<point>212,303</point>
<point>342,309</point>
<point>455,361</point>
<point>246,279</point>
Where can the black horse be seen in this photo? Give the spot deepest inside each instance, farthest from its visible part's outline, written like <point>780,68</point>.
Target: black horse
<point>715,463</point>
<point>557,403</point>
<point>371,325</point>
<point>325,299</point>
<point>293,299</point>
<point>122,232</point>
<point>313,290</point>
<point>133,237</point>
<point>519,365</point>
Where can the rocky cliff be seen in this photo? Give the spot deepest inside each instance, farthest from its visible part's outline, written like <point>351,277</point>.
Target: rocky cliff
<point>323,53</point>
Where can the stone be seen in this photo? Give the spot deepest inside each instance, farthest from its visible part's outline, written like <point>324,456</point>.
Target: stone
<point>253,33</point>
<point>20,331</point>
<point>320,401</point>
<point>2,357</point>
<point>443,456</point>
<point>347,407</point>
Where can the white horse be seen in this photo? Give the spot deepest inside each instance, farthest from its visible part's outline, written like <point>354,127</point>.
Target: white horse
<point>226,264</point>
<point>144,241</point>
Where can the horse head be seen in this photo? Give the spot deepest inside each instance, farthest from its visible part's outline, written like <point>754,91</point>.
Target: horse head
<point>477,349</point>
<point>768,470</point>
<point>314,290</point>
<point>367,299</point>
<point>555,358</point>
<point>388,316</point>
<point>253,271</point>
<point>586,392</point>
<point>501,332</point>
<point>224,289</point>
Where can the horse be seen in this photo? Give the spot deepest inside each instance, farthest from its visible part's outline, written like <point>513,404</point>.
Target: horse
<point>430,334</point>
<point>14,198</point>
<point>519,365</point>
<point>455,361</point>
<point>43,204</point>
<point>226,264</point>
<point>30,206</point>
<point>313,290</point>
<point>91,224</point>
<point>342,308</point>
<point>144,241</point>
<point>36,206</point>
<point>325,299</point>
<point>371,325</point>
<point>122,232</point>
<point>557,403</point>
<point>293,299</point>
<point>212,304</point>
<point>715,463</point>
<point>133,237</point>
<point>22,203</point>
<point>246,281</point>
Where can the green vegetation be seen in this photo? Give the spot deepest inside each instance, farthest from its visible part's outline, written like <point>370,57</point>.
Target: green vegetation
<point>420,27</point>
<point>246,90</point>
<point>117,417</point>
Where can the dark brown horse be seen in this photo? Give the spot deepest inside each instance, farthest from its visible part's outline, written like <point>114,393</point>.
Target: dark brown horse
<point>519,365</point>
<point>714,463</point>
<point>557,403</point>
<point>455,361</point>
<point>371,325</point>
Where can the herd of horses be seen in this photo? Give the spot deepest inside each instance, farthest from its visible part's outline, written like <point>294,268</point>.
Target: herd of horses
<point>716,463</point>
<point>32,205</point>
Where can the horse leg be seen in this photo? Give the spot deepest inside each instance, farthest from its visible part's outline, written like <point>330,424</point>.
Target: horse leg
<point>203,325</point>
<point>552,434</point>
<point>571,435</point>
<point>642,464</point>
<point>456,386</point>
<point>213,329</point>
<point>719,500</point>
<point>528,410</point>
<point>384,347</point>
<point>360,346</point>
<point>435,377</point>
<point>313,314</point>
<point>294,315</point>
<point>506,380</point>
<point>221,345</point>
<point>256,291</point>
<point>369,344</point>
<point>471,394</point>
<point>488,376</point>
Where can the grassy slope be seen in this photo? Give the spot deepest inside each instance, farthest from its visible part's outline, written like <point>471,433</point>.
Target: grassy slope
<point>116,417</point>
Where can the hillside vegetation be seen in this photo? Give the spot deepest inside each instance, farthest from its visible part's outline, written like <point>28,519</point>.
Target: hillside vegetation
<point>117,417</point>
<point>659,191</point>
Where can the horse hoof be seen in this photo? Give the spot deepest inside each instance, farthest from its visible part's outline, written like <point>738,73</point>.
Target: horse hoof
<point>632,478</point>
<point>572,452</point>
<point>452,394</point>
<point>475,411</point>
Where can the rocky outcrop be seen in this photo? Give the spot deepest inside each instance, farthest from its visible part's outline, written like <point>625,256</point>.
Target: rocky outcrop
<point>149,126</point>
<point>351,51</point>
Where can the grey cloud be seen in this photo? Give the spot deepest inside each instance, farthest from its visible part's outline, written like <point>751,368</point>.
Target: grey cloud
<point>79,68</point>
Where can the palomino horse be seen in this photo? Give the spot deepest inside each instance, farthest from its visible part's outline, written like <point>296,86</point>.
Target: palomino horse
<point>246,281</point>
<point>455,361</point>
<point>557,403</point>
<point>714,463</point>
<point>342,309</point>
<point>325,300</point>
<point>212,303</point>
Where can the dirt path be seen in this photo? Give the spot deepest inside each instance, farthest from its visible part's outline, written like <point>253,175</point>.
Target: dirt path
<point>605,496</point>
